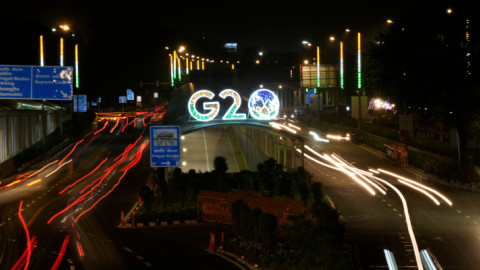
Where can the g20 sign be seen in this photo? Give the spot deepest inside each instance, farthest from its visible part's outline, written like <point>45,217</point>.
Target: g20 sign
<point>263,104</point>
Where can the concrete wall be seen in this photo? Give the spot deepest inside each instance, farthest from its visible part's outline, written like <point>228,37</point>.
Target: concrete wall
<point>22,129</point>
<point>259,144</point>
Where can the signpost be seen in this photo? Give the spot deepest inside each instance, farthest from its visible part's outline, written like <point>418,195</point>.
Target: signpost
<point>80,103</point>
<point>122,100</point>
<point>165,146</point>
<point>130,95</point>
<point>36,82</point>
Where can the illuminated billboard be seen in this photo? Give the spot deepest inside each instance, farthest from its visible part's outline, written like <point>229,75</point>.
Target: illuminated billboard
<point>328,76</point>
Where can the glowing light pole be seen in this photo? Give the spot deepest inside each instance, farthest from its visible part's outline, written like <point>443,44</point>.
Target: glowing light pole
<point>342,81</point>
<point>359,76</point>
<point>174,64</point>
<point>172,78</point>
<point>77,83</point>
<point>318,67</point>
<point>359,62</point>
<point>42,63</point>
<point>61,52</point>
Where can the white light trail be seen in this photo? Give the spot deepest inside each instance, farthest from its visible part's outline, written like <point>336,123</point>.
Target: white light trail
<point>317,137</point>
<point>421,190</point>
<point>409,224</point>
<point>280,126</point>
<point>445,199</point>
<point>355,170</point>
<point>293,126</point>
<point>58,168</point>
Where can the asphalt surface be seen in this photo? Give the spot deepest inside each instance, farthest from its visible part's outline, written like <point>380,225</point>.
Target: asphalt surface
<point>72,203</point>
<point>450,233</point>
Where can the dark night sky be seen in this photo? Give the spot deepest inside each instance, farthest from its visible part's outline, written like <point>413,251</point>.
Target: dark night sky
<point>127,40</point>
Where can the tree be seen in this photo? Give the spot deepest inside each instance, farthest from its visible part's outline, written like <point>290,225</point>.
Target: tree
<point>423,63</point>
<point>267,225</point>
<point>271,172</point>
<point>146,194</point>
<point>220,164</point>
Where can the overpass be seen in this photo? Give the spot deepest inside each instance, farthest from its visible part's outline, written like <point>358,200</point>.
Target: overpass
<point>249,131</point>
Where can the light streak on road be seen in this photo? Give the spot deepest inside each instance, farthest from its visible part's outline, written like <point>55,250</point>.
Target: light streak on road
<point>80,249</point>
<point>90,173</point>
<point>337,162</point>
<point>100,130</point>
<point>317,137</point>
<point>444,198</point>
<point>420,190</point>
<point>34,182</point>
<point>71,151</point>
<point>294,126</point>
<point>126,124</point>
<point>356,171</point>
<point>137,158</point>
<point>338,137</point>
<point>27,235</point>
<point>61,253</point>
<point>345,168</point>
<point>351,174</point>
<point>58,168</point>
<point>21,261</point>
<point>66,208</point>
<point>115,126</point>
<point>281,126</point>
<point>409,223</point>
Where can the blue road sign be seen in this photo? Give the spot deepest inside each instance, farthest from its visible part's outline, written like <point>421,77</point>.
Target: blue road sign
<point>165,146</point>
<point>36,82</point>
<point>308,98</point>
<point>122,99</point>
<point>130,95</point>
<point>79,103</point>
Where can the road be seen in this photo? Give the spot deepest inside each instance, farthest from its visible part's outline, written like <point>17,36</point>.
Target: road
<point>64,211</point>
<point>450,233</point>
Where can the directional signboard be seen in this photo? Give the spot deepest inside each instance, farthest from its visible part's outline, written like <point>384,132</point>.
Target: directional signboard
<point>36,82</point>
<point>80,103</point>
<point>130,95</point>
<point>165,146</point>
<point>122,99</point>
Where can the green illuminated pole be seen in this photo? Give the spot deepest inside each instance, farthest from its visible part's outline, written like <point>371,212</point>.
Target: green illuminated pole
<point>318,66</point>
<point>172,82</point>
<point>359,77</point>
<point>342,83</point>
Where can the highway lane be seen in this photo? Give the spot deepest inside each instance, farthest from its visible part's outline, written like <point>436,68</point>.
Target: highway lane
<point>450,233</point>
<point>73,213</point>
<point>204,145</point>
<point>42,201</point>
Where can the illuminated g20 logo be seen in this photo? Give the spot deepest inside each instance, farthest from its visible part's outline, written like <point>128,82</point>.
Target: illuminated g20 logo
<point>262,105</point>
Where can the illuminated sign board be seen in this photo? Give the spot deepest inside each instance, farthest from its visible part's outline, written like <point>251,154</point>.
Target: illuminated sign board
<point>263,104</point>
<point>36,82</point>
<point>165,146</point>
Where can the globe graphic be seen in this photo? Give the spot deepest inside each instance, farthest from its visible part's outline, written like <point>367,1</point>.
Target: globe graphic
<point>263,105</point>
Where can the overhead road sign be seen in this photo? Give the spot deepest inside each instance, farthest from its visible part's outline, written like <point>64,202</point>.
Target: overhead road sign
<point>130,95</point>
<point>165,146</point>
<point>36,82</point>
<point>80,103</point>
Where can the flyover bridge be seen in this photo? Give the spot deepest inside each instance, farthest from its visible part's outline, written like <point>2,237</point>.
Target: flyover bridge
<point>258,139</point>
